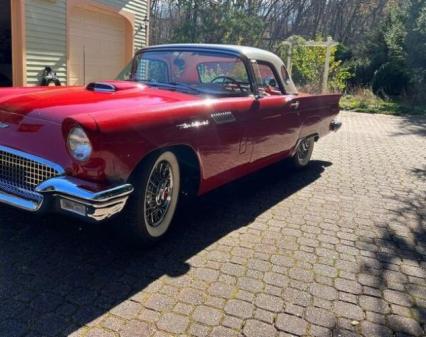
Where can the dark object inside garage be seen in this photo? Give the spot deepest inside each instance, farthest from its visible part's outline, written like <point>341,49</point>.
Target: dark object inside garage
<point>5,44</point>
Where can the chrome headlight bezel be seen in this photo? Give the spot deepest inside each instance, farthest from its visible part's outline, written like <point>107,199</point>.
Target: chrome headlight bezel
<point>78,144</point>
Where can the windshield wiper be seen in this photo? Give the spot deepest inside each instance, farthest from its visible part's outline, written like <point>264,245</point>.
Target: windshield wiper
<point>172,85</point>
<point>185,86</point>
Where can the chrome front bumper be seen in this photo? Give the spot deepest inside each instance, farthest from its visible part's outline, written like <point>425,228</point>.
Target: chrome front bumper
<point>65,195</point>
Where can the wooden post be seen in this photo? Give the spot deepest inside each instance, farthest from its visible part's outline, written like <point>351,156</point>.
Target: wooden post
<point>329,45</point>
<point>19,46</point>
<point>289,55</point>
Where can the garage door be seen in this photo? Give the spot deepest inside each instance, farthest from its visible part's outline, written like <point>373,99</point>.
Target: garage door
<point>97,46</point>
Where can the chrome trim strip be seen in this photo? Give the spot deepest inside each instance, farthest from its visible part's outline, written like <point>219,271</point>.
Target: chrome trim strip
<point>105,213</point>
<point>100,205</point>
<point>18,191</point>
<point>65,187</point>
<point>194,124</point>
<point>15,201</point>
<point>28,156</point>
<point>223,117</point>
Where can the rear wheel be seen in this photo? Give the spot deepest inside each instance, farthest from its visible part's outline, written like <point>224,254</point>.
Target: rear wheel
<point>304,152</point>
<point>152,205</point>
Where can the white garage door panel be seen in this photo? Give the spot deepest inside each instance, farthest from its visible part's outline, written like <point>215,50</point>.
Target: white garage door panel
<point>97,46</point>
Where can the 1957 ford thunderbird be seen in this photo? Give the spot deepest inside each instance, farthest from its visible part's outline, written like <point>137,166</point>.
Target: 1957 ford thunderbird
<point>190,118</point>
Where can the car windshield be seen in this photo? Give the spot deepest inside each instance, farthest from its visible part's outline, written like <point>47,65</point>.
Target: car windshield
<point>197,72</point>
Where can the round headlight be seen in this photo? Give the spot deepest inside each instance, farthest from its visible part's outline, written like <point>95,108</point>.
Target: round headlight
<point>79,144</point>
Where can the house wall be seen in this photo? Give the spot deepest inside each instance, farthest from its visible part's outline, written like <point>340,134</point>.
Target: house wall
<point>45,38</point>
<point>46,33</point>
<point>140,9</point>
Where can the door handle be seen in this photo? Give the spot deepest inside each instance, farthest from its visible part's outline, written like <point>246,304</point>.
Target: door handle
<point>295,105</point>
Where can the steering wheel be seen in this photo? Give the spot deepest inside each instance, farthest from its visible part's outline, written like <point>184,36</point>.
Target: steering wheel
<point>227,79</point>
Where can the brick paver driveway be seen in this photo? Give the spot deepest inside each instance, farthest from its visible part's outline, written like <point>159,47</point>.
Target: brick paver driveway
<point>338,249</point>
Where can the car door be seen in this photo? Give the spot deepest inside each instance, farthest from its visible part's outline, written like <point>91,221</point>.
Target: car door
<point>224,147</point>
<point>276,124</point>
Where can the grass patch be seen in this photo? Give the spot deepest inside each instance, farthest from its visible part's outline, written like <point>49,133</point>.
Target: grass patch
<point>366,101</point>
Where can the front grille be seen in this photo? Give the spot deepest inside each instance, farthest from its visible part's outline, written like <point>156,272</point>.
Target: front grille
<point>20,174</point>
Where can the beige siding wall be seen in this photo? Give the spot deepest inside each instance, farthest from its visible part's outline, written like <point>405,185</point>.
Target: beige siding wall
<point>46,34</point>
<point>46,38</point>
<point>140,9</point>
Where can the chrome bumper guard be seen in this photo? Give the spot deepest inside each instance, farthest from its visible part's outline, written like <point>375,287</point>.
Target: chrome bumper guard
<point>66,196</point>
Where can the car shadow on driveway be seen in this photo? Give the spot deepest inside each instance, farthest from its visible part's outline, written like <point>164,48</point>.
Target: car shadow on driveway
<point>57,274</point>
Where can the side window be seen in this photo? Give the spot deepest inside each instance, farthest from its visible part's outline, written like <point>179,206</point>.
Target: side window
<point>124,75</point>
<point>266,79</point>
<point>235,70</point>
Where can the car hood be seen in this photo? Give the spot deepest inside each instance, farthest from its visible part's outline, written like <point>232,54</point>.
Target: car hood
<point>54,104</point>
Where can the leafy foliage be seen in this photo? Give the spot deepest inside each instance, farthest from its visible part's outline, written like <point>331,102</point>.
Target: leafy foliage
<point>383,42</point>
<point>415,46</point>
<point>262,22</point>
<point>391,79</point>
<point>207,22</point>
<point>364,100</point>
<point>393,58</point>
<point>308,64</point>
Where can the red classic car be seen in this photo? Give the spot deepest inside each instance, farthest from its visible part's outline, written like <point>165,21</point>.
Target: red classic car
<point>189,119</point>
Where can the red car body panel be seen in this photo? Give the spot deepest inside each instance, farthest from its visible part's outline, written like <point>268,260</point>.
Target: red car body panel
<point>127,124</point>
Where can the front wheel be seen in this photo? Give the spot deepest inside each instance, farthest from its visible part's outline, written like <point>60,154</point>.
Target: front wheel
<point>304,152</point>
<point>152,205</point>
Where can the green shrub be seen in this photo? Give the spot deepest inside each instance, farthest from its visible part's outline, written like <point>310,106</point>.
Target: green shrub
<point>308,65</point>
<point>392,57</point>
<point>391,80</point>
<point>364,100</point>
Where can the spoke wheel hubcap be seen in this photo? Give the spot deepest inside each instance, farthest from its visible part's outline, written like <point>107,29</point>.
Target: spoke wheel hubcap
<point>158,194</point>
<point>303,149</point>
